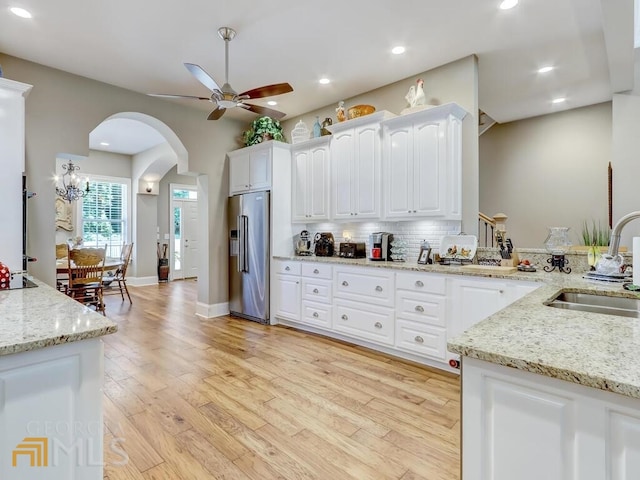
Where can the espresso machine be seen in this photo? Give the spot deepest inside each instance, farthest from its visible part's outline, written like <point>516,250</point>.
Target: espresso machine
<point>380,246</point>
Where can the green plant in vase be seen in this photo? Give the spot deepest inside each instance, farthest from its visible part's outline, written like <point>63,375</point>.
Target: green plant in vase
<point>595,237</point>
<point>263,129</point>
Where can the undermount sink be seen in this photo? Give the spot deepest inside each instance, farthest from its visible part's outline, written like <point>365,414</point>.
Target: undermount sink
<point>589,302</point>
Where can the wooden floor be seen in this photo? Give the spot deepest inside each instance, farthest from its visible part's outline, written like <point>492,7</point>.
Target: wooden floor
<point>224,398</point>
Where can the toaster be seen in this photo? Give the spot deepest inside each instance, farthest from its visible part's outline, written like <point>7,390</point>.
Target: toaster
<point>353,250</point>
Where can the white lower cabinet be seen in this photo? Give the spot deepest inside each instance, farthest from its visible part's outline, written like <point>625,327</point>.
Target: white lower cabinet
<point>365,321</point>
<point>520,425</point>
<point>287,291</point>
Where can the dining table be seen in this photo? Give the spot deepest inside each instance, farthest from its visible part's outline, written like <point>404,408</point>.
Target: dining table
<point>110,263</point>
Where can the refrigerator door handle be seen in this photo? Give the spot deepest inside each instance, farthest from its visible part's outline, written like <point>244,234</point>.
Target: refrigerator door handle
<point>243,223</point>
<point>239,265</point>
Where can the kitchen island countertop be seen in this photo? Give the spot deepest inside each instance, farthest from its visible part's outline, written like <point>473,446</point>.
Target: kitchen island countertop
<point>591,349</point>
<point>40,317</point>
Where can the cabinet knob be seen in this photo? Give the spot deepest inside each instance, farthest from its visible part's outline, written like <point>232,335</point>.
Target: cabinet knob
<point>315,314</point>
<point>356,213</point>
<point>378,288</point>
<point>287,268</point>
<point>501,291</point>
<point>377,325</point>
<point>246,186</point>
<point>415,211</point>
<point>316,271</point>
<point>419,339</point>
<point>351,213</point>
<point>344,317</point>
<point>419,283</point>
<point>345,284</point>
<point>419,308</point>
<point>408,211</point>
<point>315,290</point>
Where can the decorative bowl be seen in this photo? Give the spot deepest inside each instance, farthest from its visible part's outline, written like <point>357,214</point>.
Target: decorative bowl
<point>360,111</point>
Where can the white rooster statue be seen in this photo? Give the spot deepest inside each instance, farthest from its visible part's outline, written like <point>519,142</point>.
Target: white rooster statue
<point>416,96</point>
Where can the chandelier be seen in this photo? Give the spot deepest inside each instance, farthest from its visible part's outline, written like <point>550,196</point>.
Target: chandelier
<point>72,187</point>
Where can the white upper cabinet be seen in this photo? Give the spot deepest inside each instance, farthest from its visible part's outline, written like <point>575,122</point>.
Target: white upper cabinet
<point>422,163</point>
<point>250,168</point>
<point>310,181</point>
<point>356,168</point>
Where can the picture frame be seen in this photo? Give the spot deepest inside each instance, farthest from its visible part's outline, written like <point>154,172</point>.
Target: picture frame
<point>423,258</point>
<point>64,215</point>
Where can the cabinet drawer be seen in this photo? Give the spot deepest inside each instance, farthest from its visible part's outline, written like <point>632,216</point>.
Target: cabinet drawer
<point>421,307</point>
<point>316,290</point>
<point>316,270</point>
<point>287,267</point>
<point>421,282</point>
<point>421,339</point>
<point>316,314</point>
<point>364,321</point>
<point>369,286</point>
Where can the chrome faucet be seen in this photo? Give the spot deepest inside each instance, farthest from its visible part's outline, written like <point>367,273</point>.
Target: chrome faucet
<point>614,241</point>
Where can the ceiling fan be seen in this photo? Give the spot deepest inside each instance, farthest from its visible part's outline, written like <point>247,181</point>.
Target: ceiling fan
<point>226,97</point>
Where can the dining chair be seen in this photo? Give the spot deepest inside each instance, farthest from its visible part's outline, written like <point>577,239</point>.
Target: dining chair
<point>86,271</point>
<point>120,274</point>
<point>62,279</point>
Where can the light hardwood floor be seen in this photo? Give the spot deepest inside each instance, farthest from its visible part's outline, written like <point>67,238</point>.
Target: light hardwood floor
<point>188,398</point>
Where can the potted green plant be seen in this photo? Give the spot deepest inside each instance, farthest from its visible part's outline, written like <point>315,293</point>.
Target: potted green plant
<point>263,129</point>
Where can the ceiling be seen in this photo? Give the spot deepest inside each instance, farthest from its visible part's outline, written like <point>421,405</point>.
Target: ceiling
<point>142,46</point>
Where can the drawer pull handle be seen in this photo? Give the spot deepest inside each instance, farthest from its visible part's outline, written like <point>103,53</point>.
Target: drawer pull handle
<point>344,317</point>
<point>378,325</point>
<point>345,284</point>
<point>315,314</point>
<point>419,283</point>
<point>419,308</point>
<point>378,288</point>
<point>419,339</point>
<point>315,290</point>
<point>316,271</point>
<point>287,268</point>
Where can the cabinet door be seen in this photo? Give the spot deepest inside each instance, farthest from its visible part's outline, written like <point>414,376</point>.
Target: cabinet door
<point>260,169</point>
<point>317,204</point>
<point>473,300</point>
<point>429,174</point>
<point>239,178</point>
<point>300,164</point>
<point>366,168</point>
<point>399,173</point>
<point>342,154</point>
<point>288,297</point>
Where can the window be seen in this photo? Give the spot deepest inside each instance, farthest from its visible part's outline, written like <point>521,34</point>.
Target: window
<point>104,214</point>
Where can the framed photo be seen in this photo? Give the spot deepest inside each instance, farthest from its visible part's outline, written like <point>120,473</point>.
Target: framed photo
<point>423,258</point>
<point>63,215</point>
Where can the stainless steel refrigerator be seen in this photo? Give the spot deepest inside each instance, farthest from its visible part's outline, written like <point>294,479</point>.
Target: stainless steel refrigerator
<point>248,219</point>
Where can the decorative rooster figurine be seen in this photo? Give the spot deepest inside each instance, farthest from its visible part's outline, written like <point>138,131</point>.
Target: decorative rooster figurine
<point>416,96</point>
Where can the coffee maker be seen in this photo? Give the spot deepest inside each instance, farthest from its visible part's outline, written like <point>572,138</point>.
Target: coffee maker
<point>380,246</point>
<point>324,244</point>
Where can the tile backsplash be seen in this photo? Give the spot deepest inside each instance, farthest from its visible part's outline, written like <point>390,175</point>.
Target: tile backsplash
<point>411,232</point>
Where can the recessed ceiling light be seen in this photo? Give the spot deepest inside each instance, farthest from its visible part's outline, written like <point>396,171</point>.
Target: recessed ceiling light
<point>507,4</point>
<point>546,69</point>
<point>558,100</point>
<point>104,144</point>
<point>324,81</point>
<point>272,102</point>
<point>20,12</point>
<point>399,50</point>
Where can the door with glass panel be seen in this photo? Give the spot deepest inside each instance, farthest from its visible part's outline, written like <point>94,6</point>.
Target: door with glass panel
<point>184,232</point>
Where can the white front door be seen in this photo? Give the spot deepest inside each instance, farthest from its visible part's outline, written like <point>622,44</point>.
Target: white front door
<point>190,238</point>
<point>184,232</point>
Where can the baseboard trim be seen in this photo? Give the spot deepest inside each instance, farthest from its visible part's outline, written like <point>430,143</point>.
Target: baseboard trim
<point>141,281</point>
<point>212,310</point>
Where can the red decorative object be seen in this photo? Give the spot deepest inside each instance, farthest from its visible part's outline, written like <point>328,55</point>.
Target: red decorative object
<point>5,276</point>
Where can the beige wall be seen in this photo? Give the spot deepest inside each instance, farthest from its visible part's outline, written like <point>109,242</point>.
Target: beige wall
<point>547,171</point>
<point>63,109</point>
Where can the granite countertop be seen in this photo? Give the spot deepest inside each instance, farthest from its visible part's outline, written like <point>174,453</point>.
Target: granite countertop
<point>34,318</point>
<point>591,349</point>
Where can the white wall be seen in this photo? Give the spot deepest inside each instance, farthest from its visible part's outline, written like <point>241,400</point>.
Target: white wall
<point>548,171</point>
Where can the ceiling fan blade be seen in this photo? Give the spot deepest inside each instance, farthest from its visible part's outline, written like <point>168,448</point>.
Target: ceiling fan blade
<point>269,90</point>
<point>216,114</point>
<point>163,95</point>
<point>202,76</point>
<point>260,110</point>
